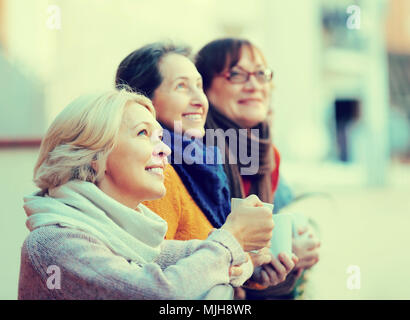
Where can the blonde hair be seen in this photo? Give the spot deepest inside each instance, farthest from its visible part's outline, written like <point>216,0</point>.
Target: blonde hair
<point>84,132</point>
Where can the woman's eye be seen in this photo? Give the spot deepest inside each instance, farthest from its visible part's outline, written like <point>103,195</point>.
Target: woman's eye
<point>181,85</point>
<point>262,74</point>
<point>143,133</point>
<point>237,75</point>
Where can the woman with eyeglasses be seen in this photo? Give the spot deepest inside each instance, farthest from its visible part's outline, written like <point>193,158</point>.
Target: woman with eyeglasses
<point>238,84</point>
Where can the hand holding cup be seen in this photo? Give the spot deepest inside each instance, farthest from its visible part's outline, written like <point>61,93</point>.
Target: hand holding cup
<point>251,224</point>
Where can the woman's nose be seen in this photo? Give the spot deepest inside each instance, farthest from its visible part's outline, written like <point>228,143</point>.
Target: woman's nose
<point>198,98</point>
<point>161,150</point>
<point>252,83</point>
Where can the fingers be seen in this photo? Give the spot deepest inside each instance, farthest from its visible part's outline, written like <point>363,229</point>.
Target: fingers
<point>287,262</point>
<point>261,237</point>
<point>260,258</point>
<point>235,271</point>
<point>302,230</point>
<point>271,275</point>
<point>311,255</point>
<point>311,244</point>
<point>295,258</point>
<point>252,201</point>
<point>265,281</point>
<point>307,264</point>
<point>276,271</point>
<point>305,244</point>
<point>308,260</point>
<point>311,234</point>
<point>280,269</point>
<point>251,226</point>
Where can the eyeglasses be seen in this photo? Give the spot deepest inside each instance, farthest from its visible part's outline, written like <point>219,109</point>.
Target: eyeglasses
<point>242,76</point>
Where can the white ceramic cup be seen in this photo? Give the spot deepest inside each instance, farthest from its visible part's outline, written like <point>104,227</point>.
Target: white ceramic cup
<point>282,235</point>
<point>235,202</point>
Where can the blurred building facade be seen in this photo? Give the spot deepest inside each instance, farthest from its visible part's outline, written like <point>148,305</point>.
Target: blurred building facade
<point>355,81</point>
<point>398,46</point>
<point>331,100</point>
<point>21,91</point>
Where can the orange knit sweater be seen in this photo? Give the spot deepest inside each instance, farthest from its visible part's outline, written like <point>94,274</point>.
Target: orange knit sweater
<point>185,219</point>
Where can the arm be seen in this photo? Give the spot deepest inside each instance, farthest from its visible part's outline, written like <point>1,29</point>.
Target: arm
<point>89,270</point>
<point>174,250</point>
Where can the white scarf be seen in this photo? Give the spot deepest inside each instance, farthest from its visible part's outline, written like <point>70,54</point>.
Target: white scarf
<point>134,235</point>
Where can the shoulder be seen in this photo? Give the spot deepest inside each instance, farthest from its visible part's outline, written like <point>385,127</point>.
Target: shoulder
<point>48,249</point>
<point>53,235</point>
<point>44,245</point>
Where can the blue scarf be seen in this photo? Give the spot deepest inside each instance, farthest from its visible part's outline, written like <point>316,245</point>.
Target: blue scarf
<point>202,173</point>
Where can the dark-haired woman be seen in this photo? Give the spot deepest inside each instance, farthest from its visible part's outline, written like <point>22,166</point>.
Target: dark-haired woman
<point>238,84</point>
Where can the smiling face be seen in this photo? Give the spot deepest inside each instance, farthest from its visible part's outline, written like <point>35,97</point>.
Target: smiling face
<point>134,169</point>
<point>244,103</point>
<point>180,96</point>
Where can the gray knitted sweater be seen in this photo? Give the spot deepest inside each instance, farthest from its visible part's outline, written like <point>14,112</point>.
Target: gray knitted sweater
<point>65,263</point>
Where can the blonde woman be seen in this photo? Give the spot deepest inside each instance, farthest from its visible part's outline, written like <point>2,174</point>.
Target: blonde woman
<point>101,157</point>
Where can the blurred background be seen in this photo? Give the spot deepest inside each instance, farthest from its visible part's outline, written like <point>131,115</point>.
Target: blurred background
<point>341,112</point>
